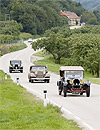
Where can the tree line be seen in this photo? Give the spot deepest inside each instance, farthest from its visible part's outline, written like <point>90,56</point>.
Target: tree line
<point>97,14</point>
<point>37,16</point>
<point>77,47</point>
<point>9,30</point>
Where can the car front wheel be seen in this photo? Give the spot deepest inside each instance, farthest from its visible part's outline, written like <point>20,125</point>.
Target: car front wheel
<point>88,91</point>
<point>60,89</point>
<point>47,81</point>
<point>65,91</point>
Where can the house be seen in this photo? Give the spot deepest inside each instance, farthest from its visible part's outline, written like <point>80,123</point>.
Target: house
<point>73,18</point>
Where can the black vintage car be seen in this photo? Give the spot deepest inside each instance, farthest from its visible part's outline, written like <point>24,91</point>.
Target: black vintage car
<point>71,81</point>
<point>15,66</point>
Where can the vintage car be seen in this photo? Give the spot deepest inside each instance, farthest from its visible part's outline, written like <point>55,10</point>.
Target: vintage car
<point>38,73</point>
<point>15,66</point>
<point>71,81</point>
<point>30,40</point>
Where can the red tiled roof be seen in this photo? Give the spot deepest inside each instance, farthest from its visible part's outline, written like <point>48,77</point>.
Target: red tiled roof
<point>64,14</point>
<point>70,15</point>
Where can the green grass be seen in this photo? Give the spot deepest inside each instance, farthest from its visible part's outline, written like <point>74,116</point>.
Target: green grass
<point>21,110</point>
<point>48,60</point>
<point>91,78</point>
<point>26,36</point>
<point>6,48</point>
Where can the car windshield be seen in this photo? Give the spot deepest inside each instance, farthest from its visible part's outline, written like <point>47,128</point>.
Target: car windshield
<point>38,68</point>
<point>30,39</point>
<point>15,62</point>
<point>74,74</point>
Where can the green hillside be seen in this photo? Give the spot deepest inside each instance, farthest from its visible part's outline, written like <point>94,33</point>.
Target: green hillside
<point>97,14</point>
<point>36,16</point>
<point>89,4</point>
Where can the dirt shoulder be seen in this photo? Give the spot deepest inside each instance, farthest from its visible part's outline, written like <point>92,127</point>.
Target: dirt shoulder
<point>35,58</point>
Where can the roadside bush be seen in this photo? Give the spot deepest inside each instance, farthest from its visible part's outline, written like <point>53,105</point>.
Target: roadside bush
<point>7,48</point>
<point>4,38</point>
<point>25,36</point>
<point>10,28</point>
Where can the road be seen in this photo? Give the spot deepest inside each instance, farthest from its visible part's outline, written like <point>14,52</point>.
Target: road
<point>84,110</point>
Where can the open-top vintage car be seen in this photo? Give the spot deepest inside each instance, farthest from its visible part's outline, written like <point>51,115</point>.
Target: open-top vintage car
<point>71,81</point>
<point>38,73</point>
<point>15,66</point>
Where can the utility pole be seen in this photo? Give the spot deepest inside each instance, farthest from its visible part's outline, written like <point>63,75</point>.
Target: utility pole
<point>7,16</point>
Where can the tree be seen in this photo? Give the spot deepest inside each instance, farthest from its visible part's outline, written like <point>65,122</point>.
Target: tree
<point>97,14</point>
<point>92,61</point>
<point>85,51</point>
<point>55,45</point>
<point>10,28</point>
<point>89,18</point>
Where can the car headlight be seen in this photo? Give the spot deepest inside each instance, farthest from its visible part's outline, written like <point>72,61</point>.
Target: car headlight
<point>81,81</point>
<point>65,83</point>
<point>71,81</point>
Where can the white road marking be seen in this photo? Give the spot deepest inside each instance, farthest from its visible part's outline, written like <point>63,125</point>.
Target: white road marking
<point>88,126</point>
<point>62,108</point>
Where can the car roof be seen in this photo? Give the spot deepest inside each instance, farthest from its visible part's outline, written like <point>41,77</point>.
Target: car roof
<point>71,68</point>
<point>15,60</point>
<point>37,66</point>
<point>30,39</point>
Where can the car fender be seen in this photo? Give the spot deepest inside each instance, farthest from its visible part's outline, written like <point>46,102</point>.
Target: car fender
<point>65,84</point>
<point>87,83</point>
<point>47,75</point>
<point>31,75</point>
<point>59,83</point>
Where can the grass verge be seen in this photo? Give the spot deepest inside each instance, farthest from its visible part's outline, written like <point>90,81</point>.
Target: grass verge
<point>6,48</point>
<point>26,36</point>
<point>21,110</point>
<point>48,60</point>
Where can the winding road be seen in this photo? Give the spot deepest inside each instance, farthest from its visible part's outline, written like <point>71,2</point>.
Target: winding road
<point>84,110</point>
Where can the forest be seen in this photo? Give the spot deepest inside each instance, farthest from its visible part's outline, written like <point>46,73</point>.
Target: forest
<point>37,16</point>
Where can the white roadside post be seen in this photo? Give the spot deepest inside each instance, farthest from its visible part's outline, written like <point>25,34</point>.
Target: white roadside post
<point>5,76</point>
<point>22,41</point>
<point>45,98</point>
<point>17,81</point>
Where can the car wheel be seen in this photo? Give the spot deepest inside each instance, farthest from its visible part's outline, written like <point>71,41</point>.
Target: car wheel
<point>48,81</point>
<point>81,93</point>
<point>60,92</point>
<point>29,80</point>
<point>88,91</point>
<point>65,91</point>
<point>10,71</point>
<point>32,81</point>
<point>60,89</point>
<point>21,71</point>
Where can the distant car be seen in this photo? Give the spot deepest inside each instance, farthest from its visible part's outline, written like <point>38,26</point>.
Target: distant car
<point>30,40</point>
<point>71,81</point>
<point>15,66</point>
<point>38,73</point>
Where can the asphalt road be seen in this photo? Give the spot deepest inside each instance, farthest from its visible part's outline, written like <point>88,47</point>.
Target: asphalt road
<point>84,110</point>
